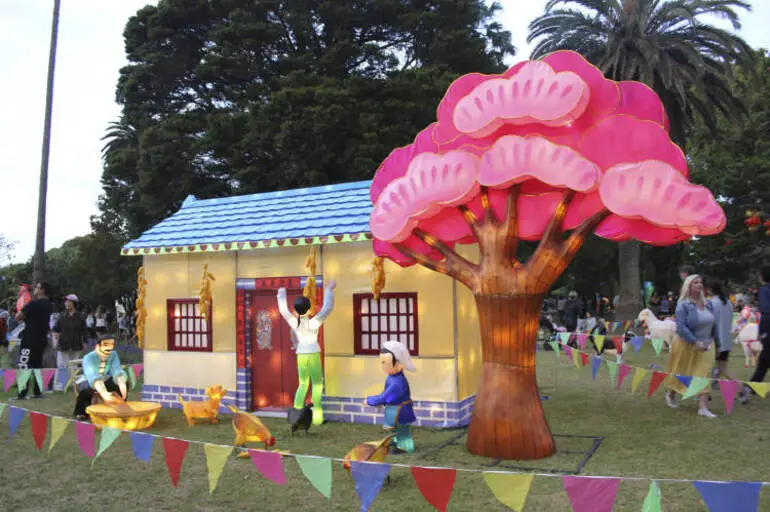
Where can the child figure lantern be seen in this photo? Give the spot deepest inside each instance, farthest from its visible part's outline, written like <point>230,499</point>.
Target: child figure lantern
<point>306,330</point>
<point>397,399</point>
<point>103,374</point>
<point>548,151</point>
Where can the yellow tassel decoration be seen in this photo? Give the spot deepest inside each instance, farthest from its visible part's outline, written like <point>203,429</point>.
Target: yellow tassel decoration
<point>378,276</point>
<point>310,285</point>
<point>206,294</point>
<point>141,312</point>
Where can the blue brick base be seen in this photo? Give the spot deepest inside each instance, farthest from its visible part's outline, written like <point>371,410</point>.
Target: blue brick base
<point>429,414</point>
<point>243,391</point>
<point>167,396</point>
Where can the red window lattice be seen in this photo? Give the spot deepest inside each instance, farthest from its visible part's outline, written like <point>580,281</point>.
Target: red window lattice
<point>187,329</point>
<point>392,317</point>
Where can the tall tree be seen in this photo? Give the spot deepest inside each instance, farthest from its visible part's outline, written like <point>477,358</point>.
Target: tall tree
<point>237,96</point>
<point>666,44</point>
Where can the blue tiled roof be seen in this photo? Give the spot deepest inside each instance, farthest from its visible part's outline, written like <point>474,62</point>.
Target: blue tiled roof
<point>307,212</point>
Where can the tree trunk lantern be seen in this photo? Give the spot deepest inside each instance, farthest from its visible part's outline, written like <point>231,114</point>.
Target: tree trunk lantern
<point>205,293</point>
<point>550,151</point>
<point>310,286</point>
<point>141,311</point>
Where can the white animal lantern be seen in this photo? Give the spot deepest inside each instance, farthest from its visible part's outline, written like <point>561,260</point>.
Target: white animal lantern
<point>663,329</point>
<point>748,336</point>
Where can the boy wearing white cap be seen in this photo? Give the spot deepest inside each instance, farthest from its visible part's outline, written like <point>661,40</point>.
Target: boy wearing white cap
<point>397,399</point>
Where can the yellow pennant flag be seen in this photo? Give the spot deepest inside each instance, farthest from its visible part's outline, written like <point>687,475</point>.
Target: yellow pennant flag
<point>576,358</point>
<point>761,388</point>
<point>599,340</point>
<point>216,457</point>
<point>510,489</point>
<point>639,376</point>
<point>58,426</point>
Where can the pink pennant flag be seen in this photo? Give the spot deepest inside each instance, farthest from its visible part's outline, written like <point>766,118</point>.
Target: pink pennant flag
<point>729,389</point>
<point>568,351</point>
<point>623,373</point>
<point>591,494</point>
<point>582,340</point>
<point>9,379</point>
<point>47,376</point>
<point>269,464</point>
<point>137,369</point>
<point>86,435</point>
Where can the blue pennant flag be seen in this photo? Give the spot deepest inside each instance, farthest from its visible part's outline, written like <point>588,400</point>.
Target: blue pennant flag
<point>15,415</point>
<point>62,374</point>
<point>596,363</point>
<point>142,444</point>
<point>369,478</point>
<point>684,379</point>
<point>730,496</point>
<point>637,341</point>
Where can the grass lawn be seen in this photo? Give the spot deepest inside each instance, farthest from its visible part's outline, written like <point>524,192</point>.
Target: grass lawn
<point>641,438</point>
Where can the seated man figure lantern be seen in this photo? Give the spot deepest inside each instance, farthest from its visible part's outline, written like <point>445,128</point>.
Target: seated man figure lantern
<point>103,374</point>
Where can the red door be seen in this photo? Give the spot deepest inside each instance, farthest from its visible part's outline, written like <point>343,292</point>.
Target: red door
<point>274,361</point>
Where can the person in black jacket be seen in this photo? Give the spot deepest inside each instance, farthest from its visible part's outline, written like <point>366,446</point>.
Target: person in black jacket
<point>572,312</point>
<point>36,314</point>
<point>71,333</point>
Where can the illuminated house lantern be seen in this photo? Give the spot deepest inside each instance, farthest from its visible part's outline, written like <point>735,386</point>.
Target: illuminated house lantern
<point>255,244</point>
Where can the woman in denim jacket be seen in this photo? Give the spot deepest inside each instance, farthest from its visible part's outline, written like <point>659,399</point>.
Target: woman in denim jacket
<point>692,352</point>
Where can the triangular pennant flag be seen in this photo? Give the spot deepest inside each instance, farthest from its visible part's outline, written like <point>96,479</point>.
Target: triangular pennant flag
<point>657,378</point>
<point>109,435</point>
<point>15,415</point>
<point>568,351</point>
<point>137,370</point>
<point>142,445</point>
<point>22,379</point>
<point>591,494</point>
<point>657,344</point>
<point>576,358</point>
<point>175,450</point>
<point>652,503</point>
<point>510,489</point>
<point>2,408</point>
<point>318,470</point>
<point>369,478</point>
<point>555,347</point>
<point>584,358</point>
<point>582,340</point>
<point>684,379</point>
<point>131,378</point>
<point>39,378</point>
<point>48,374</point>
<point>39,427</point>
<point>729,496</point>
<point>612,366</point>
<point>617,341</point>
<point>624,371</point>
<point>729,389</point>
<point>628,325</point>
<point>58,426</point>
<point>216,458</point>
<point>614,326</point>
<point>637,341</point>
<point>435,484</point>
<point>596,362</point>
<point>86,433</point>
<point>599,342</point>
<point>564,337</point>
<point>639,375</point>
<point>697,384</point>
<point>270,465</point>
<point>760,388</point>
<point>68,384</point>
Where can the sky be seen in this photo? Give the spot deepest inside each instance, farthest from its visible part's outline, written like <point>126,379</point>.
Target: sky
<point>89,57</point>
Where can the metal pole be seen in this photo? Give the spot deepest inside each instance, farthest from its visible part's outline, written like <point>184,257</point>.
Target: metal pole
<point>39,259</point>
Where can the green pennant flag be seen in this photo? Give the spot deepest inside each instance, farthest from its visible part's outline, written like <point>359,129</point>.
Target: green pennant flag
<point>22,379</point>
<point>58,426</point>
<point>599,341</point>
<point>39,378</point>
<point>2,408</point>
<point>612,366</point>
<point>652,502</point>
<point>216,458</point>
<point>109,435</point>
<point>318,470</point>
<point>564,337</point>
<point>131,378</point>
<point>67,385</point>
<point>555,347</point>
<point>657,344</point>
<point>696,386</point>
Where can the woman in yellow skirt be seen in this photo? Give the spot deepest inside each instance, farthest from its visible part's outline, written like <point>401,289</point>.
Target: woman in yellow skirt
<point>692,352</point>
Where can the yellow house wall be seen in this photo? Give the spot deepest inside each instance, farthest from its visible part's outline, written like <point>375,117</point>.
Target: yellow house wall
<point>468,334</point>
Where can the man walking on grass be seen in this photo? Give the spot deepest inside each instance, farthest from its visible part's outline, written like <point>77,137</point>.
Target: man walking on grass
<point>36,315</point>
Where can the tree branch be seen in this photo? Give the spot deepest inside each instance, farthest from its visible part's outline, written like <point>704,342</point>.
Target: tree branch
<point>549,242</point>
<point>488,214</point>
<point>572,244</point>
<point>511,225</point>
<point>452,265</point>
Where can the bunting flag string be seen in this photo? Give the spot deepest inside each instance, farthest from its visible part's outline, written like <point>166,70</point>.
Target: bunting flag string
<point>436,484</point>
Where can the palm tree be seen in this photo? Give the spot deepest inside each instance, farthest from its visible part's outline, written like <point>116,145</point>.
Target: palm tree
<point>120,135</point>
<point>665,44</point>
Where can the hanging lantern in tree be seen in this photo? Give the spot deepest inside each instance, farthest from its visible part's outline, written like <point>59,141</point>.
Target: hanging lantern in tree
<point>378,276</point>
<point>141,312</point>
<point>206,294</point>
<point>310,286</point>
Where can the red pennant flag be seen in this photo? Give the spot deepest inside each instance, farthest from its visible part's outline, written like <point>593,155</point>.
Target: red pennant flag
<point>657,378</point>
<point>47,376</point>
<point>39,427</point>
<point>624,371</point>
<point>436,485</point>
<point>138,369</point>
<point>86,435</point>
<point>618,342</point>
<point>584,358</point>
<point>175,450</point>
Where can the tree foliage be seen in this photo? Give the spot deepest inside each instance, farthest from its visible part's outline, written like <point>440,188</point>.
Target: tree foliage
<point>238,96</point>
